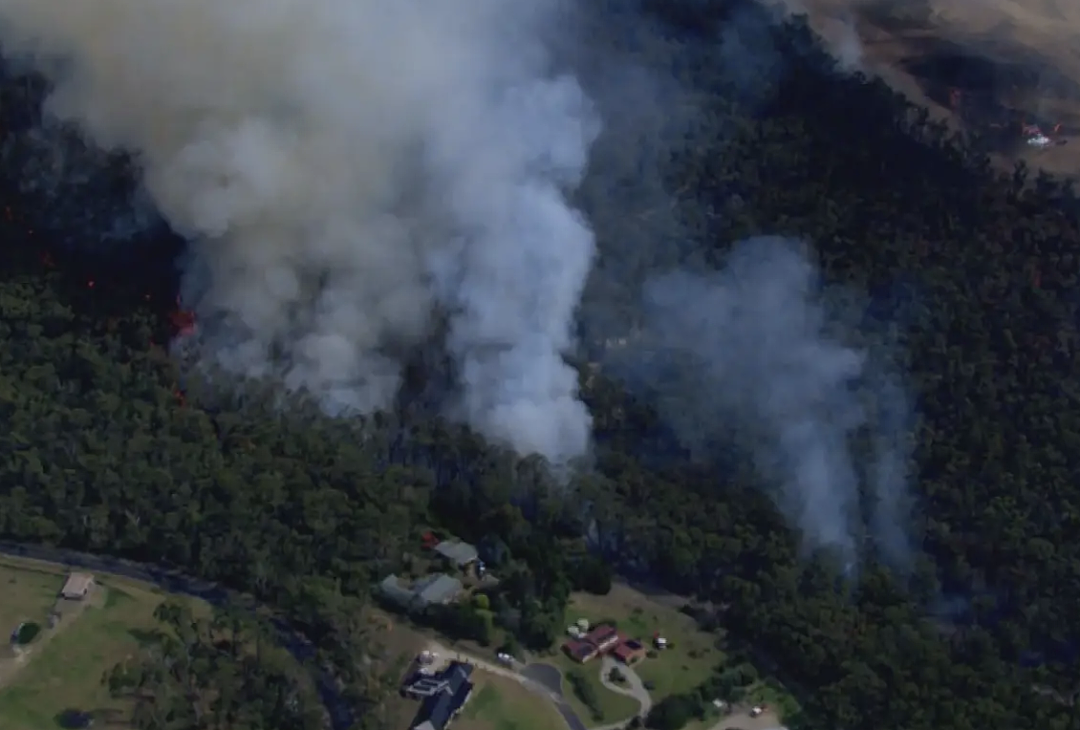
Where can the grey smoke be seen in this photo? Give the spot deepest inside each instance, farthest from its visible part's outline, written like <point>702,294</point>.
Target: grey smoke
<point>346,169</point>
<point>755,350</point>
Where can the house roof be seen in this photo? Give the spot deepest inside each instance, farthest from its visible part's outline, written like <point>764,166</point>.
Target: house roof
<point>77,584</point>
<point>438,588</point>
<point>391,588</point>
<point>462,553</point>
<point>437,710</point>
<point>579,649</point>
<point>628,650</point>
<point>601,634</point>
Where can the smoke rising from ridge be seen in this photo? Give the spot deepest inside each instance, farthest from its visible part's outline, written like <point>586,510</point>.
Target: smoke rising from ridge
<point>752,350</point>
<point>346,169</point>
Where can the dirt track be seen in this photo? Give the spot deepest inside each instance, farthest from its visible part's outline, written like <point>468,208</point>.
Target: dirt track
<point>987,64</point>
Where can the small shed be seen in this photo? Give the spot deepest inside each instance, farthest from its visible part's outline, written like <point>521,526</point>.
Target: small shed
<point>77,586</point>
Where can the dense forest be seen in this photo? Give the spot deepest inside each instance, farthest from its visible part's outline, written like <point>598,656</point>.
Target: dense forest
<point>106,450</point>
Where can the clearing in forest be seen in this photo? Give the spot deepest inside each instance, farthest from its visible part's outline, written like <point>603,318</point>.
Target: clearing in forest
<point>690,656</point>
<point>61,673</point>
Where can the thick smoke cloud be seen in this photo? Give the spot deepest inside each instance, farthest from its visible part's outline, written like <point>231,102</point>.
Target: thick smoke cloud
<point>355,175</point>
<point>755,350</point>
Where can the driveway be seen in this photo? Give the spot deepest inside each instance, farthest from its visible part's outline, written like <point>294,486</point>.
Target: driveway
<point>741,720</point>
<point>546,676</point>
<point>633,687</point>
<point>541,679</point>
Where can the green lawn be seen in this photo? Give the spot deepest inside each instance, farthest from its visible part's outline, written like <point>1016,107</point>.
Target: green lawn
<point>770,693</point>
<point>691,656</point>
<point>614,707</point>
<point>501,704</point>
<point>64,671</point>
<point>26,595</point>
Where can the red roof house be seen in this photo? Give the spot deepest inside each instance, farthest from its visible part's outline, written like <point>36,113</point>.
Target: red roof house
<point>599,641</point>
<point>629,651</point>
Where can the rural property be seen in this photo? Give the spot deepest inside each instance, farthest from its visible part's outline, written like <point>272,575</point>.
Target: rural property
<point>66,630</point>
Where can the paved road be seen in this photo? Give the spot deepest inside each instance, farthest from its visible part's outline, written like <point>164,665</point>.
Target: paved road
<point>170,580</point>
<point>545,675</point>
<point>537,678</point>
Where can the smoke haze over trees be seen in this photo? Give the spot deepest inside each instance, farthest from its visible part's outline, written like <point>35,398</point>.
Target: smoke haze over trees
<point>747,355</point>
<point>342,218</point>
<point>308,512</point>
<point>344,170</point>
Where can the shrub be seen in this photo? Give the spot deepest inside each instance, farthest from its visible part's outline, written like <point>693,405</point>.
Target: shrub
<point>672,713</point>
<point>25,633</point>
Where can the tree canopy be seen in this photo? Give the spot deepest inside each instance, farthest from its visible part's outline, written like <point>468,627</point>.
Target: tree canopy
<point>106,450</point>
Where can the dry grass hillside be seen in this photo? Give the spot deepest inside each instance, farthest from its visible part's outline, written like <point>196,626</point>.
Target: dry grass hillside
<point>994,65</point>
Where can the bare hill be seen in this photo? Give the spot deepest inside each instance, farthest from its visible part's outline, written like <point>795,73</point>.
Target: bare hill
<point>992,65</point>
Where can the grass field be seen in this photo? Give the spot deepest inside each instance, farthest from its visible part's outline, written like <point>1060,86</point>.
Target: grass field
<point>64,670</point>
<point>501,704</point>
<point>691,656</point>
<point>28,595</point>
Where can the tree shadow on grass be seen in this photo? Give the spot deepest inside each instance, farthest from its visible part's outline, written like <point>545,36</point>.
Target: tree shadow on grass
<point>144,637</point>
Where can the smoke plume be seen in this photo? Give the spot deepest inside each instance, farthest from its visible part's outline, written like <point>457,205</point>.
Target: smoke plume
<point>350,174</point>
<point>754,350</point>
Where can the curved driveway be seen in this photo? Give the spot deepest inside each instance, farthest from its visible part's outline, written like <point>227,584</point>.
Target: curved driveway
<point>634,686</point>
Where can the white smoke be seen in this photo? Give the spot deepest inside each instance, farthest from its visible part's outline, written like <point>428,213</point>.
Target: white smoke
<point>344,168</point>
<point>753,349</point>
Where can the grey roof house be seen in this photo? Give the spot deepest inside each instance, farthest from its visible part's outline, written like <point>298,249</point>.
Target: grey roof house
<point>444,696</point>
<point>392,589</point>
<point>433,589</point>
<point>437,588</point>
<point>460,554</point>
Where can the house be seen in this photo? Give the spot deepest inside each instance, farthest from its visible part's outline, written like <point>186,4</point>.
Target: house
<point>580,651</point>
<point>77,586</point>
<point>437,588</point>
<point>458,554</point>
<point>443,696</point>
<point>629,652</point>
<point>392,590</point>
<point>604,638</point>
<point>600,640</point>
